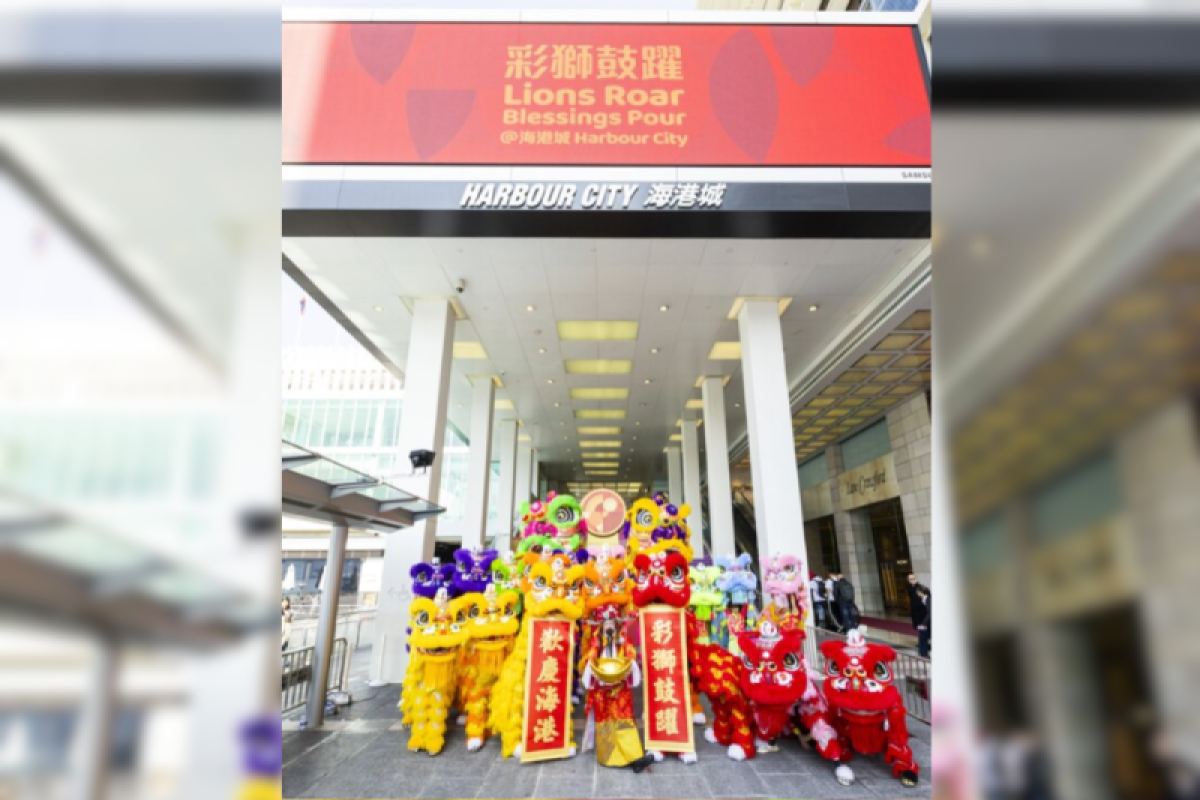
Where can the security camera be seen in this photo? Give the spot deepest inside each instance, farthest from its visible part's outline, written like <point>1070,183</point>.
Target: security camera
<point>461,286</point>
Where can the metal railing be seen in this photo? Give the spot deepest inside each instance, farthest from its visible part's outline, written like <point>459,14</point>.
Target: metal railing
<point>356,626</point>
<point>913,675</point>
<point>298,669</point>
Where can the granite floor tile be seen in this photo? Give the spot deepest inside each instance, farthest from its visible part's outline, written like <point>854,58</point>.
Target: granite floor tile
<point>295,744</point>
<point>891,787</point>
<point>806,787</point>
<point>507,783</point>
<point>683,787</point>
<point>548,787</point>
<point>732,779</point>
<point>791,758</point>
<point>581,766</point>
<point>453,787</point>
<point>620,783</point>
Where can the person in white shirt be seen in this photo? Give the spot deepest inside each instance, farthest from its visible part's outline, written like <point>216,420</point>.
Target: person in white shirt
<point>816,590</point>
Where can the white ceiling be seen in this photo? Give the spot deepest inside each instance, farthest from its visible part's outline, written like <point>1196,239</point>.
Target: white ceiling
<point>617,279</point>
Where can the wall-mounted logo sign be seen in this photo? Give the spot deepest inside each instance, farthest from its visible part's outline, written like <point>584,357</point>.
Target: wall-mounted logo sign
<point>593,196</point>
<point>574,94</point>
<point>869,483</point>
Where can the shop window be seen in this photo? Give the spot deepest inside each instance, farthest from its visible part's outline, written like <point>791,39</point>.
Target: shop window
<point>985,545</point>
<point>814,471</point>
<point>867,445</point>
<point>1080,499</point>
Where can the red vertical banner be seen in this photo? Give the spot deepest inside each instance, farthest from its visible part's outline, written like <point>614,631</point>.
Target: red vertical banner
<point>547,732</point>
<point>666,693</point>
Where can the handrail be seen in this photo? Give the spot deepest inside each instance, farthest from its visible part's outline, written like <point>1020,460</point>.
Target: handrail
<point>912,674</point>
<point>297,668</point>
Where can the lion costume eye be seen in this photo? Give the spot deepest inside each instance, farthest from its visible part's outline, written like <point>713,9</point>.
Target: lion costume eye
<point>539,581</point>
<point>475,611</point>
<point>882,673</point>
<point>790,662</point>
<point>832,669</point>
<point>565,512</point>
<point>677,574</point>
<point>422,618</point>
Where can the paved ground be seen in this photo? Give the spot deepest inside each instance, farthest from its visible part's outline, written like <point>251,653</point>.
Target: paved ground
<point>362,753</point>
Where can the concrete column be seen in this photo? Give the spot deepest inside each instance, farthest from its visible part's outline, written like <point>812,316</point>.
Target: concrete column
<point>524,471</point>
<point>479,472</point>
<point>92,743</point>
<point>716,451</point>
<point>674,474</point>
<point>508,484</point>
<point>422,427</point>
<point>327,626</point>
<point>777,514</point>
<point>691,483</point>
<point>535,476</point>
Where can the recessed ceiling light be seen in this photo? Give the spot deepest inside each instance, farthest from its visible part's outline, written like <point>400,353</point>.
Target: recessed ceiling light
<point>600,393</point>
<point>647,381</point>
<point>654,350</point>
<point>664,307</point>
<point>550,380</point>
<point>813,307</point>
<point>637,423</point>
<point>597,330</point>
<point>556,405</point>
<point>737,405</point>
<point>379,308</point>
<point>598,366</point>
<point>531,308</point>
<point>542,350</point>
<point>725,351</point>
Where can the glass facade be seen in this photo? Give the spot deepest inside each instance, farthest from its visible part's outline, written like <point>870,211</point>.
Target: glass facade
<point>1083,497</point>
<point>867,445</point>
<point>814,471</point>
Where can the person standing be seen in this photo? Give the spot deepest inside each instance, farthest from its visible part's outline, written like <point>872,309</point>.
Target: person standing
<point>914,605</point>
<point>816,590</point>
<point>286,622</point>
<point>843,592</point>
<point>924,622</point>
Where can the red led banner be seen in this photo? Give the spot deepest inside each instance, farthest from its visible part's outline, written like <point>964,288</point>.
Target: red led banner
<point>666,694</point>
<point>683,95</point>
<point>547,731</point>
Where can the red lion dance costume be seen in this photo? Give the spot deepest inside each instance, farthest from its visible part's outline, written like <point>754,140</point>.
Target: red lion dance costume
<point>775,680</point>
<point>661,576</point>
<point>867,711</point>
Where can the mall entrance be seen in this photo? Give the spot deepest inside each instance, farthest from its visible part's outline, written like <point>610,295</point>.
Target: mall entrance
<point>891,554</point>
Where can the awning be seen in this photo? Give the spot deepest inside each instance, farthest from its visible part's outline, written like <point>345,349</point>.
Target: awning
<point>317,487</point>
<point>53,565</point>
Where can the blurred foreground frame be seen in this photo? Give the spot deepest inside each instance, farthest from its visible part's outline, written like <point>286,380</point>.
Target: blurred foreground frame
<point>1067,253</point>
<point>138,398</point>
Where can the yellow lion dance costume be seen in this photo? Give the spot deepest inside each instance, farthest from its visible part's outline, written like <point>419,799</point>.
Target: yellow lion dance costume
<point>438,635</point>
<point>491,622</point>
<point>551,586</point>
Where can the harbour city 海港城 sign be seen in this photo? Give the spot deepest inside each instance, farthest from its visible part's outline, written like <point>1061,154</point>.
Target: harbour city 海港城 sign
<point>593,196</point>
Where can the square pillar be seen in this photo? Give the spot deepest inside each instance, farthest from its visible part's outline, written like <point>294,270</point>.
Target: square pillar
<point>777,514</point>
<point>331,591</point>
<point>716,452</point>
<point>691,484</point>
<point>422,427</point>
<point>524,472</point>
<point>674,474</point>
<point>507,496</point>
<point>479,468</point>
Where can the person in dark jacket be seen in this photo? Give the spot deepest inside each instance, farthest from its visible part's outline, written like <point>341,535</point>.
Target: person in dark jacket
<point>914,606</point>
<point>843,596</point>
<point>924,623</point>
